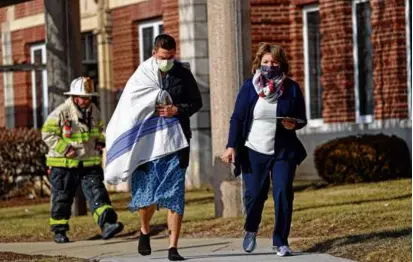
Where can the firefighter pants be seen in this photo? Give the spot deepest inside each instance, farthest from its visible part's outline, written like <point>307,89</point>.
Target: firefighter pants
<point>64,183</point>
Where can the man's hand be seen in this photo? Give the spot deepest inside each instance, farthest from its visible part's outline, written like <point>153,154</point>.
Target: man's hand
<point>71,153</point>
<point>166,110</point>
<point>99,147</point>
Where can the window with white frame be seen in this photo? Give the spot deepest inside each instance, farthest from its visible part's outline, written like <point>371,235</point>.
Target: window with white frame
<point>363,62</point>
<point>312,65</point>
<point>90,60</point>
<point>39,85</point>
<point>147,33</point>
<point>409,53</point>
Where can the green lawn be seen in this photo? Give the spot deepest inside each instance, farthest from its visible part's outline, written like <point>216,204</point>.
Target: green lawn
<point>365,222</point>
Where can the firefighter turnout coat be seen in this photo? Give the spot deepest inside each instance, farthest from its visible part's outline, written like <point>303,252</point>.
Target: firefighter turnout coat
<point>68,127</point>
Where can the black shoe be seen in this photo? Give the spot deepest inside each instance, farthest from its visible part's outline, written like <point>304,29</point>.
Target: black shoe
<point>110,230</point>
<point>173,255</point>
<point>60,237</point>
<point>144,245</point>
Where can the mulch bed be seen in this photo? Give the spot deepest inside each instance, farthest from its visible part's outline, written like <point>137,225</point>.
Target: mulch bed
<point>10,256</point>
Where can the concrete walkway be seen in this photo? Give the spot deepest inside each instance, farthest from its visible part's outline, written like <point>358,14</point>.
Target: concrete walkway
<point>125,250</point>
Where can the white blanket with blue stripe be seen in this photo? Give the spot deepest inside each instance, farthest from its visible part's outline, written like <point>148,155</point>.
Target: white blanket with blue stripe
<point>135,135</point>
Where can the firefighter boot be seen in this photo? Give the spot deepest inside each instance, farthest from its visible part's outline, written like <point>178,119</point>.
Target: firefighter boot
<point>60,237</point>
<point>110,230</point>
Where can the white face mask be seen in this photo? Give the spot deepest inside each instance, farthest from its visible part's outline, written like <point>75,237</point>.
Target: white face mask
<point>165,65</point>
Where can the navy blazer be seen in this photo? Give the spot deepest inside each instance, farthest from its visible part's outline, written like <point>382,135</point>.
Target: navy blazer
<point>287,145</point>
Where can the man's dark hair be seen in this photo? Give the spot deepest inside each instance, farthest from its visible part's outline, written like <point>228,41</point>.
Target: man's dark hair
<point>164,41</point>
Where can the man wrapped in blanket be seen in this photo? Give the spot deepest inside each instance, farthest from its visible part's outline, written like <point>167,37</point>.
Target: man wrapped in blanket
<point>148,139</point>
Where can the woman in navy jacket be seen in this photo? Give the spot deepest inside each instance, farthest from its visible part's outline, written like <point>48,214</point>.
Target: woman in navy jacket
<point>263,143</point>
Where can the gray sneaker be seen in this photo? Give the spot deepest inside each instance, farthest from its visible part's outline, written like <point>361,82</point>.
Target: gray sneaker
<point>284,251</point>
<point>250,241</point>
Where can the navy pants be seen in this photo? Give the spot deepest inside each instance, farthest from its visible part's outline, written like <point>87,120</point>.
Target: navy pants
<point>64,183</point>
<point>257,184</point>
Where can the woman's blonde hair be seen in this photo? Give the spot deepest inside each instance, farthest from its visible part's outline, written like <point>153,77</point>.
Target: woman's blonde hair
<point>276,51</point>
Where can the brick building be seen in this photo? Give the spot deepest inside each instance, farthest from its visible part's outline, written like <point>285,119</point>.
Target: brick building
<point>352,59</point>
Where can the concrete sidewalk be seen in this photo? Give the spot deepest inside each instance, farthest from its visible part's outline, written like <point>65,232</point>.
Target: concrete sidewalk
<point>125,250</point>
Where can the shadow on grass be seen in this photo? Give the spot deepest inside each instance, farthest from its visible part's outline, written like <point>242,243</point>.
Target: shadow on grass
<point>357,202</point>
<point>155,230</point>
<point>200,200</point>
<point>198,219</point>
<point>191,202</point>
<point>27,215</point>
<point>299,187</point>
<point>196,246</point>
<point>357,239</point>
<point>123,204</point>
<point>240,254</point>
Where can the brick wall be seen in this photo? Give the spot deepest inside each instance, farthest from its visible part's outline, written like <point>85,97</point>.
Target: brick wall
<point>29,8</point>
<point>125,45</point>
<point>337,65</point>
<point>21,43</point>
<point>270,22</point>
<point>3,15</point>
<point>280,22</point>
<point>125,37</point>
<point>276,21</point>
<point>171,20</point>
<point>389,59</point>
<point>295,48</point>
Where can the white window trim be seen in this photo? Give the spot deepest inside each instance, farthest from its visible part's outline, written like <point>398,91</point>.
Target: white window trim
<point>409,58</point>
<point>153,23</point>
<point>318,121</point>
<point>359,118</point>
<point>45,105</point>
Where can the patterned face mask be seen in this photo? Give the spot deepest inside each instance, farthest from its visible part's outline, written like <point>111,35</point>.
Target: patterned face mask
<point>271,72</point>
<point>165,65</point>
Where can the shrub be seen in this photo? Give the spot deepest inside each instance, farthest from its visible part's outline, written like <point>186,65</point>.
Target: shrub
<point>22,153</point>
<point>363,158</point>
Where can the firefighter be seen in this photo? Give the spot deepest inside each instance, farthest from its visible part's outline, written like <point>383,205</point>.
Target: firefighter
<point>75,137</point>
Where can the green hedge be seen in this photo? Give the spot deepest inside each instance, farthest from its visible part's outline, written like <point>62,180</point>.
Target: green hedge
<point>365,158</point>
<point>22,152</point>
